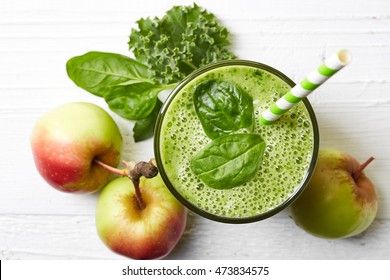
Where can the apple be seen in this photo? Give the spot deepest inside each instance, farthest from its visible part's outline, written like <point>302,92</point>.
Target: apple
<point>140,220</point>
<point>339,201</point>
<point>66,141</point>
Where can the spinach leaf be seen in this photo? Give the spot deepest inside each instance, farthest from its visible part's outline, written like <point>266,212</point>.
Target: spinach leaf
<point>166,51</point>
<point>144,128</point>
<point>97,72</point>
<point>134,101</point>
<point>223,108</point>
<point>229,161</point>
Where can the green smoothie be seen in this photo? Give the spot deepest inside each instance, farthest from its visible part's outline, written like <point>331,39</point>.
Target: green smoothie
<point>289,156</point>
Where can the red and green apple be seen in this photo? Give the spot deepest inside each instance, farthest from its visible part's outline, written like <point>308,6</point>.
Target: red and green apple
<point>66,141</point>
<point>340,200</point>
<point>146,230</point>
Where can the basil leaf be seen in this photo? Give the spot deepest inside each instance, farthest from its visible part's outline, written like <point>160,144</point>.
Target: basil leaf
<point>144,129</point>
<point>223,108</point>
<point>96,72</point>
<point>133,102</point>
<point>229,161</point>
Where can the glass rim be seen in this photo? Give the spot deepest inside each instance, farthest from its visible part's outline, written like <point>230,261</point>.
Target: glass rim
<point>196,209</point>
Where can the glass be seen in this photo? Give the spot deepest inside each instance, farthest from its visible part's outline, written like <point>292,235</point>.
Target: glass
<point>218,205</point>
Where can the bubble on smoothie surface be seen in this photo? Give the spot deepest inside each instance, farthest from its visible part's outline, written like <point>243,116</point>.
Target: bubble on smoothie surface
<point>285,162</point>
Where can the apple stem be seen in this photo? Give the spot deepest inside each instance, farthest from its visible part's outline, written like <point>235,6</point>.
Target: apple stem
<point>134,172</point>
<point>138,195</point>
<point>114,170</point>
<point>356,174</point>
<point>146,169</point>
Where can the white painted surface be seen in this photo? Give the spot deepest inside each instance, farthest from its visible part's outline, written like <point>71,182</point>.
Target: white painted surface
<point>353,109</point>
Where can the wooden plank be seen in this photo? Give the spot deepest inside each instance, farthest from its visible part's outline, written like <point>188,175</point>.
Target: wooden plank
<point>74,237</point>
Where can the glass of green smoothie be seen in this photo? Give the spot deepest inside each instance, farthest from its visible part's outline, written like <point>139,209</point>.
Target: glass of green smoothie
<point>284,164</point>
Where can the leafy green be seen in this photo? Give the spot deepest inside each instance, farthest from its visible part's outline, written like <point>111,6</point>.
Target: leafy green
<point>229,161</point>
<point>223,107</point>
<point>97,72</point>
<point>144,128</point>
<point>133,102</point>
<point>122,81</point>
<point>186,38</point>
<point>166,51</point>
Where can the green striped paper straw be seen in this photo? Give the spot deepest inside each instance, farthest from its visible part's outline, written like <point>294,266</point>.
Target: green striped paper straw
<point>312,81</point>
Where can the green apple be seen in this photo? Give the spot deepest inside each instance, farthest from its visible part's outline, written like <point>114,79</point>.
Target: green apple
<point>148,230</point>
<point>340,201</point>
<point>66,141</point>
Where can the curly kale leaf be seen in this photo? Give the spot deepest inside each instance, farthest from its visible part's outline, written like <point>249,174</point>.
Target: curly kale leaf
<point>186,38</point>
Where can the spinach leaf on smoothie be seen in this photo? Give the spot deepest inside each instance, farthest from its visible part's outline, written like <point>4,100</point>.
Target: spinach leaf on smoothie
<point>229,161</point>
<point>223,107</point>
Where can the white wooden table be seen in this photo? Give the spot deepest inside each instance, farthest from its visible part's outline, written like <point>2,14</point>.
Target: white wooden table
<point>353,110</point>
